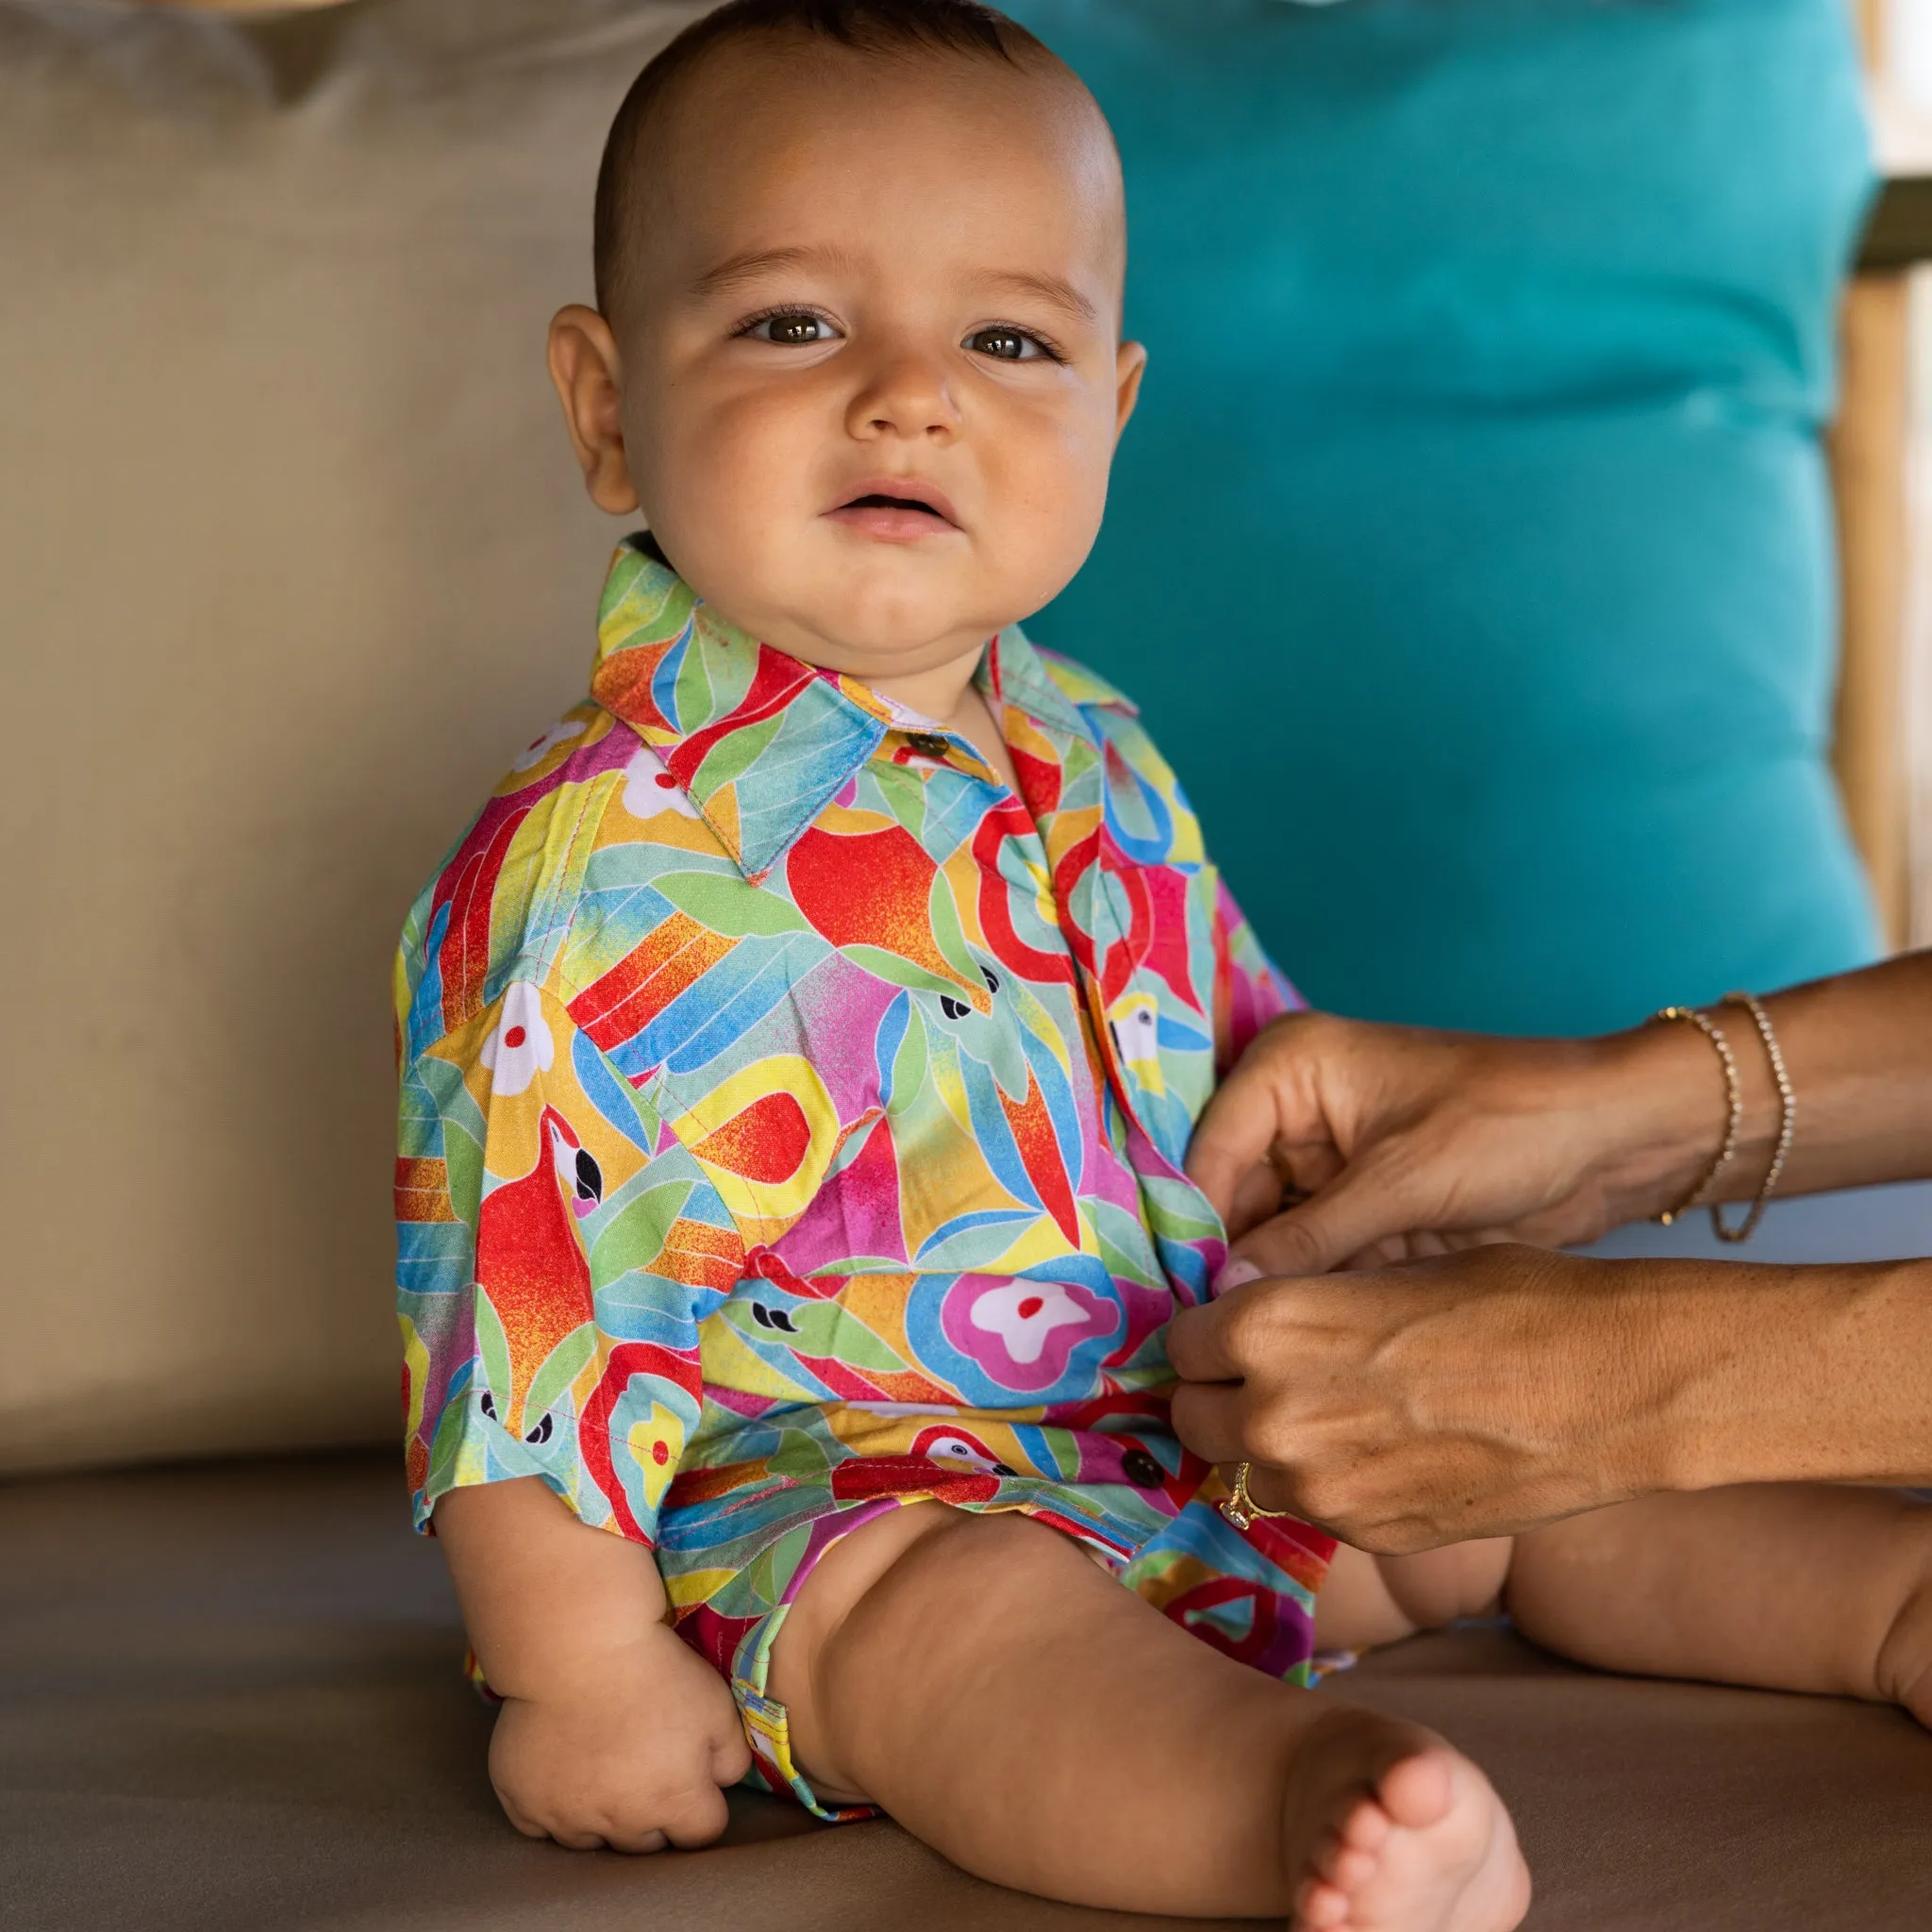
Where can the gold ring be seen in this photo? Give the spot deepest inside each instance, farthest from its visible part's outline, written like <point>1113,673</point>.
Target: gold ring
<point>1239,1507</point>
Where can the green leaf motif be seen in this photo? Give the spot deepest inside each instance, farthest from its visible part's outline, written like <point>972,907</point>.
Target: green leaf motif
<point>463,1158</point>
<point>729,905</point>
<point>947,933</point>
<point>910,1062</point>
<point>633,1237</point>
<point>728,760</point>
<point>897,971</point>
<point>493,1345</point>
<point>447,1445</point>
<point>561,1367</point>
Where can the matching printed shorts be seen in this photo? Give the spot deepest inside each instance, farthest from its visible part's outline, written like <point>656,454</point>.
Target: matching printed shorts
<point>739,1537</point>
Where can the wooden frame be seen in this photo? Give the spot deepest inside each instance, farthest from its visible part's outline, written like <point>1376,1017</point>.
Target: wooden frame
<point>1870,469</point>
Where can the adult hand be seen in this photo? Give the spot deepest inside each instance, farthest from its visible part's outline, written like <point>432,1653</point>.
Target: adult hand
<point>1390,1142</point>
<point>1484,1392</point>
<point>1493,1386</point>
<point>1470,1394</point>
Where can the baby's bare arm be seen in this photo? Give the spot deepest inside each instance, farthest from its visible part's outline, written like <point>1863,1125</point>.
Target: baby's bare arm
<point>612,1730</point>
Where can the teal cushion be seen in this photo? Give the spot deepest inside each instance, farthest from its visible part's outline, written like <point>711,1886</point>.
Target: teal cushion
<point>1471,554</point>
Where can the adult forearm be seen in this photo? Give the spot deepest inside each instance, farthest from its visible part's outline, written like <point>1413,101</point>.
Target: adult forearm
<point>1485,1392</point>
<point>1858,1051</point>
<point>1808,1374</point>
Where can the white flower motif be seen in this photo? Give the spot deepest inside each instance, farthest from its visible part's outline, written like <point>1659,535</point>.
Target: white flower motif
<point>1136,1035</point>
<point>649,788</point>
<point>1024,1313</point>
<point>542,746</point>
<point>521,1047</point>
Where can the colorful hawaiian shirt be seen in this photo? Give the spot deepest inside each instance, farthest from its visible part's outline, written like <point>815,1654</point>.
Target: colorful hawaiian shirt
<point>793,1119</point>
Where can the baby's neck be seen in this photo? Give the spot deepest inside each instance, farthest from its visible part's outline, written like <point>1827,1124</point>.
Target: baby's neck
<point>935,692</point>
<point>947,694</point>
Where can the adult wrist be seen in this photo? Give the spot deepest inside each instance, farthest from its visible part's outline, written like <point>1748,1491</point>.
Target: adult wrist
<point>1658,1099</point>
<point>1750,1373</point>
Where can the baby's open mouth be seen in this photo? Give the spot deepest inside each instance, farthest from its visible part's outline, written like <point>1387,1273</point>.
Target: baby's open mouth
<point>896,516</point>
<point>876,502</point>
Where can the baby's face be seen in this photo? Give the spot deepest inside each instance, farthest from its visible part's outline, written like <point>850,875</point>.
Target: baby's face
<point>871,374</point>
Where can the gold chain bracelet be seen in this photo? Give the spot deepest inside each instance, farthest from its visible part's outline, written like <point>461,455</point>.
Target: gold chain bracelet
<point>1734,1103</point>
<point>1787,1123</point>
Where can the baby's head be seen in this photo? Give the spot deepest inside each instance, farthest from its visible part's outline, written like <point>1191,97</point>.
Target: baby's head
<point>858,356</point>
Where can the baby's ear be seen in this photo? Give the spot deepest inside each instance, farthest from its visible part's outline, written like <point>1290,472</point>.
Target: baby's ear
<point>1130,364</point>
<point>585,367</point>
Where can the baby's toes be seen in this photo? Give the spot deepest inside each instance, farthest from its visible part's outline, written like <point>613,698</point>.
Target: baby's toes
<point>1320,1907</point>
<point>1347,1860</point>
<point>1366,1827</point>
<point>1417,1792</point>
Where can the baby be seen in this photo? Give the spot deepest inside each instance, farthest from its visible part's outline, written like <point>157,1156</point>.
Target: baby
<point>800,1055</point>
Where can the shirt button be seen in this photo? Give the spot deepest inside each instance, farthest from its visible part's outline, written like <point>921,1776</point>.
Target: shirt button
<point>928,744</point>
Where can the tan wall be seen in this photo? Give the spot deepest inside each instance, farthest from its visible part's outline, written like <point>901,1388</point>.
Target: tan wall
<point>292,557</point>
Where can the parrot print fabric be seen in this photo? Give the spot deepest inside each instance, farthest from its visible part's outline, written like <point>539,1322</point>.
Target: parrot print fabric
<point>791,1125</point>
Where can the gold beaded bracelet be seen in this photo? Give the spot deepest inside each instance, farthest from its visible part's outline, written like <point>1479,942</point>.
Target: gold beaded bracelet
<point>1734,1101</point>
<point>1787,1123</point>
<point>1787,1126</point>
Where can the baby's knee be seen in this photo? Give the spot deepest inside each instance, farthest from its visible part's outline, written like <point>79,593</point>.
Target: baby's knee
<point>1367,1600</point>
<point>1436,1587</point>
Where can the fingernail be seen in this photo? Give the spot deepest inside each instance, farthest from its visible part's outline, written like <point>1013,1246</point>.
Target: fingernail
<point>1239,1269</point>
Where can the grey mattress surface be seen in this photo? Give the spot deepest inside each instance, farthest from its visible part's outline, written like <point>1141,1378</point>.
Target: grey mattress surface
<point>229,1698</point>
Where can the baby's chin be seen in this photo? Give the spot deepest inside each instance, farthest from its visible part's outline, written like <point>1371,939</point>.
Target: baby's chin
<point>871,631</point>
<point>869,608</point>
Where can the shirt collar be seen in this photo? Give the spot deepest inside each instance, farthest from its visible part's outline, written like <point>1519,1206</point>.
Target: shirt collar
<point>760,741</point>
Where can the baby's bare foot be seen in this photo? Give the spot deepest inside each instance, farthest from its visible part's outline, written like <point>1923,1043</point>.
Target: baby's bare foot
<point>1426,1847</point>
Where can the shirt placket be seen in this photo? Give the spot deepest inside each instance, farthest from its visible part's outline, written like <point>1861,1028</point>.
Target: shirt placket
<point>1093,932</point>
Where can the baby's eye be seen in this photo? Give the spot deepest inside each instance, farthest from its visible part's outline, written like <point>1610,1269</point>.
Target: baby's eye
<point>791,328</point>
<point>1005,345</point>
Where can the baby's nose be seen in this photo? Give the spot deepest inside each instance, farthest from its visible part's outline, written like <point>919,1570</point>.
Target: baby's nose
<point>907,395</point>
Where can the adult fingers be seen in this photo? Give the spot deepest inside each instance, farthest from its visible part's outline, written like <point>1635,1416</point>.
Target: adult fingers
<point>1215,1342</point>
<point>1373,1200</point>
<point>1251,1110</point>
<point>1257,1198</point>
<point>1275,1488</point>
<point>1208,1417</point>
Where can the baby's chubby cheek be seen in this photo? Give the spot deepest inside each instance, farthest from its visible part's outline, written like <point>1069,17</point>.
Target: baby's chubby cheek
<point>737,494</point>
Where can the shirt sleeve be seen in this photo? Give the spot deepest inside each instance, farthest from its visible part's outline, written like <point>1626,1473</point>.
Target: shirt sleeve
<point>1249,989</point>
<point>556,1249</point>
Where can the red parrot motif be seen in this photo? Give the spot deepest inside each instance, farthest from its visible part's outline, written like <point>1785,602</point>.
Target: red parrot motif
<point>529,1261</point>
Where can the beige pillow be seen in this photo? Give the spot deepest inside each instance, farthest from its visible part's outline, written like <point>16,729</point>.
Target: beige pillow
<point>294,556</point>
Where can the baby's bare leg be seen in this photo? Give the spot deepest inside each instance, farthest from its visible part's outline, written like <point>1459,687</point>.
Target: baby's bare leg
<point>1367,1600</point>
<point>1794,1586</point>
<point>1020,1712</point>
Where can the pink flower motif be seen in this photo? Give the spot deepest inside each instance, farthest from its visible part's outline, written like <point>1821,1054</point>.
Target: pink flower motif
<point>1025,1314</point>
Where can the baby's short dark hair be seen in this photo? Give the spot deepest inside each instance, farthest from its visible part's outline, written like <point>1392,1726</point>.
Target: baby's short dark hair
<point>957,28</point>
